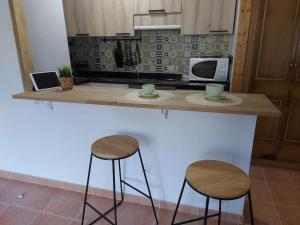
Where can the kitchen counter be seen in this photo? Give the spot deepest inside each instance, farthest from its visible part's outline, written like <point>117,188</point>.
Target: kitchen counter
<point>253,104</point>
<point>169,141</point>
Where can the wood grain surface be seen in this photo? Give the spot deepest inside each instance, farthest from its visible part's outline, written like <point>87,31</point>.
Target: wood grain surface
<point>218,179</point>
<point>253,104</point>
<point>115,147</point>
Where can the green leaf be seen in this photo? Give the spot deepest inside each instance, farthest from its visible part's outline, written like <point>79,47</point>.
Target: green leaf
<point>65,71</point>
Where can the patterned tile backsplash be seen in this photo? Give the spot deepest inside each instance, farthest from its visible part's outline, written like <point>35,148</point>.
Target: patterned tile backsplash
<point>161,51</point>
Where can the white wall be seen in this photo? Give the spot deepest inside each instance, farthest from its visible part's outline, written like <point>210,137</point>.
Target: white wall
<point>47,34</point>
<point>56,143</point>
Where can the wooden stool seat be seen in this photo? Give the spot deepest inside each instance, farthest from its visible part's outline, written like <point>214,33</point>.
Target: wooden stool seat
<point>115,147</point>
<point>218,180</point>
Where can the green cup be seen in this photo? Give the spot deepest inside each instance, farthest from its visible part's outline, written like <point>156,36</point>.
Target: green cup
<point>148,89</point>
<point>214,90</point>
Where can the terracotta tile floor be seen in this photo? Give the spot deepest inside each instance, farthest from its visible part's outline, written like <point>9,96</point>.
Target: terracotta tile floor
<point>275,192</point>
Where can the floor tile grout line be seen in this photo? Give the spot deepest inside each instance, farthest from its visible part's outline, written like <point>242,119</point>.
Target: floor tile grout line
<point>270,192</point>
<point>79,213</point>
<point>53,214</point>
<point>273,204</point>
<point>287,205</point>
<point>267,183</point>
<point>14,203</point>
<point>51,200</point>
<point>61,189</point>
<point>34,218</point>
<point>291,171</point>
<point>263,173</point>
<point>5,208</point>
<point>286,185</point>
<point>5,183</point>
<point>44,212</point>
<point>2,185</point>
<point>256,179</point>
<point>39,211</point>
<point>295,175</point>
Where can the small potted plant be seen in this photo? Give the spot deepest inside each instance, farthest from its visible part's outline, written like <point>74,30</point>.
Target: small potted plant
<point>65,77</point>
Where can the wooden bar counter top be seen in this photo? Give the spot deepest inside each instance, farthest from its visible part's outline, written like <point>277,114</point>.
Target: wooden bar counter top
<point>252,104</point>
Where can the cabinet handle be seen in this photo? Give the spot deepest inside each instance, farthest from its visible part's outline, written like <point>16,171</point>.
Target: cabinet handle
<point>123,34</point>
<point>157,11</point>
<point>296,65</point>
<point>83,34</point>
<point>219,31</point>
<point>292,65</point>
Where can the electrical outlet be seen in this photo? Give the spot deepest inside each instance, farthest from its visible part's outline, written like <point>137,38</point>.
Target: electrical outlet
<point>50,105</point>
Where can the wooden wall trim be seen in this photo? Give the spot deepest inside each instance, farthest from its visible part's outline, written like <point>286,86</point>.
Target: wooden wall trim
<point>246,7</point>
<point>22,41</point>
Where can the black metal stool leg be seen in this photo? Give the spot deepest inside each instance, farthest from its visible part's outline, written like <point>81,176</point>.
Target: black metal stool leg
<point>86,189</point>
<point>250,208</point>
<point>114,190</point>
<point>220,212</point>
<point>178,203</point>
<point>206,210</point>
<point>121,187</point>
<point>144,172</point>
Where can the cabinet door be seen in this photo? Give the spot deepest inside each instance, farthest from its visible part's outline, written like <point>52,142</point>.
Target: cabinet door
<point>156,6</point>
<point>195,16</point>
<point>141,6</point>
<point>124,17</point>
<point>172,6</point>
<point>208,16</point>
<point>103,18</point>
<point>168,6</point>
<point>77,17</point>
<point>222,16</point>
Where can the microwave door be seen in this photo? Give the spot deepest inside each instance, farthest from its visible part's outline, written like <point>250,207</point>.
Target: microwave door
<point>205,70</point>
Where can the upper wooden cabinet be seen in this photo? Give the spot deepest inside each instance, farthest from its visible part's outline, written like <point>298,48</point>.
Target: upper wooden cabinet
<point>156,6</point>
<point>124,17</point>
<point>116,17</point>
<point>208,16</point>
<point>103,18</point>
<point>99,17</point>
<point>77,17</point>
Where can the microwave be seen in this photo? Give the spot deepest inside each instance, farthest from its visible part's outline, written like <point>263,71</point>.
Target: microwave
<point>209,69</point>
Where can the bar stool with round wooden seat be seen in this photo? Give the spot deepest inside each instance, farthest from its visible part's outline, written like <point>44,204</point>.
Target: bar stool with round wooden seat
<point>115,148</point>
<point>216,180</point>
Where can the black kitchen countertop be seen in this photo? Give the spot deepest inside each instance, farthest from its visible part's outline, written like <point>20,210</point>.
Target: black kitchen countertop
<point>135,80</point>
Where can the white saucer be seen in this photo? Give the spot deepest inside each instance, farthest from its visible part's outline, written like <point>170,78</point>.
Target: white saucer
<point>222,97</point>
<point>154,95</point>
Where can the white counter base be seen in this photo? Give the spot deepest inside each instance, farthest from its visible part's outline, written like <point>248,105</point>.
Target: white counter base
<point>62,147</point>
